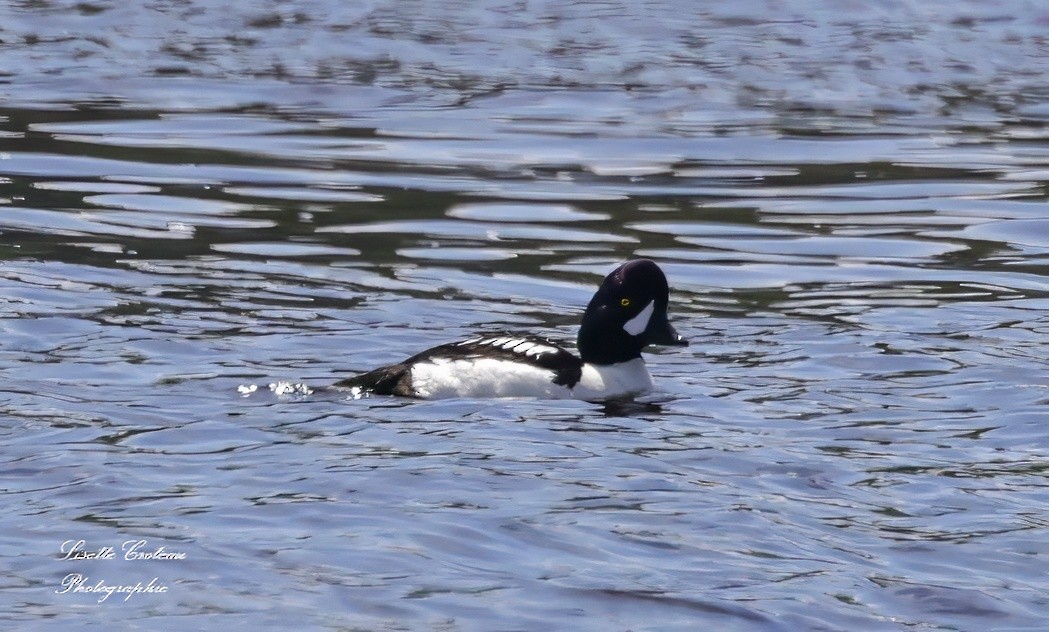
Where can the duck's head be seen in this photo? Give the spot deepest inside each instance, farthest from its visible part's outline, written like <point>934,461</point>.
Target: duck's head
<point>627,313</point>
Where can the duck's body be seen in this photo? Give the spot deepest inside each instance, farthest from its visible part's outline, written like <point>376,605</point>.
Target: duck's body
<point>504,366</point>
<point>628,312</point>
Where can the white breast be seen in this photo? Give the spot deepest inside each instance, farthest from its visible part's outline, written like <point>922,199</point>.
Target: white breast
<point>613,380</point>
<point>491,377</point>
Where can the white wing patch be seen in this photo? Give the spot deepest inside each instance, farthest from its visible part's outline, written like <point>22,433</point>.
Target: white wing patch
<point>522,346</point>
<point>639,323</point>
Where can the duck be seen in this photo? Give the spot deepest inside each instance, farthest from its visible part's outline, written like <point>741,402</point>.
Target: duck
<point>627,313</point>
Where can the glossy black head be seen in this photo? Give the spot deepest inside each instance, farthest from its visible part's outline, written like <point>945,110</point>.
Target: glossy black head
<point>628,312</point>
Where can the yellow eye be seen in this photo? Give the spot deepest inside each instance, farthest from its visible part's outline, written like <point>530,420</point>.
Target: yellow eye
<point>625,302</point>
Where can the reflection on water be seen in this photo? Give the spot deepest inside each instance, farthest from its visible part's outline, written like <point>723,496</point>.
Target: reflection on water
<point>850,209</point>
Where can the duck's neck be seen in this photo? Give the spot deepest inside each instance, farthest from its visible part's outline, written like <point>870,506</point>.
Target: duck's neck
<point>601,342</point>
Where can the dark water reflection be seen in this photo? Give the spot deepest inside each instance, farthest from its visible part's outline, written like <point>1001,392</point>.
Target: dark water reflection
<point>850,204</point>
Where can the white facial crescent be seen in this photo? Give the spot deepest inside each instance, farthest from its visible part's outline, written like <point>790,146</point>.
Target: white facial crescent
<point>638,323</point>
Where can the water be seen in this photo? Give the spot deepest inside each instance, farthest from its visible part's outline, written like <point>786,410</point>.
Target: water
<point>850,204</point>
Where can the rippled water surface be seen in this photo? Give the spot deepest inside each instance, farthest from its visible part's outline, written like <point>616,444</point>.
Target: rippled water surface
<point>849,200</point>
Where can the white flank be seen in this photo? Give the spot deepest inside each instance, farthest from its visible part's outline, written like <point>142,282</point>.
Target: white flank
<point>638,323</point>
<point>491,377</point>
<point>484,377</point>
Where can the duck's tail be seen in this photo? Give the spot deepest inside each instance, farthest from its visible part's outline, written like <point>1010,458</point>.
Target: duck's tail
<point>395,379</point>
